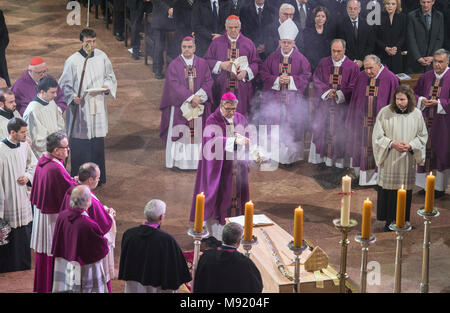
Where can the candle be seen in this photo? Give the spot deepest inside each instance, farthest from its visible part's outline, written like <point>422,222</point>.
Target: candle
<point>199,213</point>
<point>401,207</point>
<point>345,203</point>
<point>429,195</point>
<point>248,228</point>
<point>298,227</point>
<point>366,213</point>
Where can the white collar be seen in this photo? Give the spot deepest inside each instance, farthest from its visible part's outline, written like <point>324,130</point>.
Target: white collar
<point>440,76</point>
<point>188,61</point>
<point>287,55</point>
<point>230,120</point>
<point>233,40</point>
<point>338,63</point>
<point>381,69</point>
<point>31,77</point>
<point>357,19</point>
<point>257,7</point>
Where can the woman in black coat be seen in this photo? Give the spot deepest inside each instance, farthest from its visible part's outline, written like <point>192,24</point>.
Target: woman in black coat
<point>391,36</point>
<point>4,41</point>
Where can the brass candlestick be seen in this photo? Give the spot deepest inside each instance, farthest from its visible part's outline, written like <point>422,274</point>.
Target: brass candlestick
<point>297,251</point>
<point>248,245</point>
<point>424,284</point>
<point>365,251</point>
<point>344,243</point>
<point>197,242</point>
<point>398,254</point>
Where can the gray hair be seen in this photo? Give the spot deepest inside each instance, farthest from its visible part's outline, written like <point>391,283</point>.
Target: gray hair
<point>229,21</point>
<point>54,140</point>
<point>87,170</point>
<point>342,41</point>
<point>285,6</point>
<point>154,209</point>
<point>357,1</point>
<point>372,57</point>
<point>442,51</point>
<point>80,197</point>
<point>232,233</point>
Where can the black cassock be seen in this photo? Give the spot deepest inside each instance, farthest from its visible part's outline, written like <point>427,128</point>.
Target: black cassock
<point>152,257</point>
<point>224,270</point>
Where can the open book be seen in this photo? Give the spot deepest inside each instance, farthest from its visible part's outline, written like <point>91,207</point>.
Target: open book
<point>258,220</point>
<point>403,76</point>
<point>240,63</point>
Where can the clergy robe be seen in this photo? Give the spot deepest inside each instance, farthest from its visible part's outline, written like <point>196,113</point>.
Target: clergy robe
<point>5,117</point>
<point>24,90</point>
<point>50,184</point>
<point>222,174</point>
<point>105,221</point>
<point>182,82</point>
<point>369,96</point>
<point>15,207</point>
<point>222,49</point>
<point>328,128</point>
<point>437,120</point>
<point>151,260</point>
<point>397,169</point>
<point>79,248</point>
<point>91,125</point>
<point>43,118</point>
<point>284,104</point>
<point>225,270</point>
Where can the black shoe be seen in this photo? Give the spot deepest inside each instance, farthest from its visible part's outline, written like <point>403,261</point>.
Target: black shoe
<point>135,56</point>
<point>159,75</point>
<point>387,229</point>
<point>119,37</point>
<point>322,166</point>
<point>438,194</point>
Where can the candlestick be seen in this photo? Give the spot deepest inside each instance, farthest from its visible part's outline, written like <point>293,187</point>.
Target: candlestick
<point>429,194</point>
<point>426,247</point>
<point>199,213</point>
<point>248,228</point>
<point>398,254</point>
<point>401,207</point>
<point>342,276</point>
<point>297,251</point>
<point>197,242</point>
<point>364,257</point>
<point>346,191</point>
<point>298,227</point>
<point>366,214</point>
<point>247,245</point>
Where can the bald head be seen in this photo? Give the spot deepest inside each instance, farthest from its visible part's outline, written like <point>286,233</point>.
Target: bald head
<point>80,197</point>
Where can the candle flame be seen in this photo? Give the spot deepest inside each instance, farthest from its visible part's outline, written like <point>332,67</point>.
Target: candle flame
<point>431,173</point>
<point>250,202</point>
<point>202,193</point>
<point>403,186</point>
<point>367,199</point>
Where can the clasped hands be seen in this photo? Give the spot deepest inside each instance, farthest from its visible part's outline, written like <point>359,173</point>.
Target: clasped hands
<point>429,102</point>
<point>401,146</point>
<point>196,101</point>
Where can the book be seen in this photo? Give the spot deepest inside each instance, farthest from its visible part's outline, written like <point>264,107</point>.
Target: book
<point>258,220</point>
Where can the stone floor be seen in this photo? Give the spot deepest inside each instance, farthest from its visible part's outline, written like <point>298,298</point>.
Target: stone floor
<point>136,170</point>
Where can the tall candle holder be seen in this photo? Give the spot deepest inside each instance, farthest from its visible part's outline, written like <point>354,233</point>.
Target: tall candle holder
<point>398,254</point>
<point>424,284</point>
<point>247,245</point>
<point>364,252</point>
<point>197,242</point>
<point>342,276</point>
<point>297,251</point>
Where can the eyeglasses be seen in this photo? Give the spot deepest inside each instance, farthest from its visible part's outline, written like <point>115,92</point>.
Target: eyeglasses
<point>66,147</point>
<point>288,14</point>
<point>229,109</point>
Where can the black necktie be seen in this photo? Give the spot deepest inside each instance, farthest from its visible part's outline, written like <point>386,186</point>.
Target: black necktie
<point>355,30</point>
<point>215,17</point>
<point>260,15</point>
<point>302,17</point>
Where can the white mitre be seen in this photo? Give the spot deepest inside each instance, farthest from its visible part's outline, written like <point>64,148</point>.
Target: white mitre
<point>288,30</point>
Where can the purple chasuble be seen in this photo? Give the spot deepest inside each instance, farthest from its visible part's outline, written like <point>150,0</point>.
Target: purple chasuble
<point>219,51</point>
<point>24,90</point>
<point>215,177</point>
<point>78,238</point>
<point>176,91</point>
<point>284,107</point>
<point>96,211</point>
<point>50,184</point>
<point>359,119</point>
<point>328,117</point>
<point>438,125</point>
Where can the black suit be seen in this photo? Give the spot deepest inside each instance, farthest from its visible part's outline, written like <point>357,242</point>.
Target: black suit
<point>391,36</point>
<point>4,41</point>
<point>421,42</point>
<point>251,26</point>
<point>363,44</point>
<point>203,24</point>
<point>236,9</point>
<point>182,12</point>
<point>272,37</point>
<point>310,5</point>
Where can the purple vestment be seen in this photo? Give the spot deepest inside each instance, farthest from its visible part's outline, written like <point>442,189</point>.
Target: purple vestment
<point>24,90</point>
<point>218,51</point>
<point>324,127</point>
<point>50,184</point>
<point>78,238</point>
<point>96,211</point>
<point>286,108</point>
<point>215,177</point>
<point>176,91</point>
<point>439,132</point>
<point>357,114</point>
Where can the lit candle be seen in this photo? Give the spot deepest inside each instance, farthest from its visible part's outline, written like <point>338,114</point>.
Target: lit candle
<point>248,229</point>
<point>199,213</point>
<point>401,207</point>
<point>298,227</point>
<point>429,195</point>
<point>345,203</point>
<point>366,213</point>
